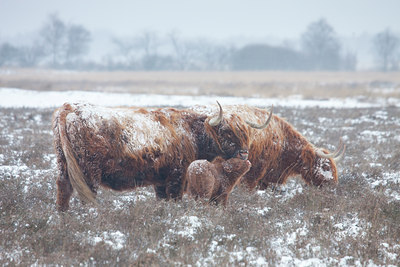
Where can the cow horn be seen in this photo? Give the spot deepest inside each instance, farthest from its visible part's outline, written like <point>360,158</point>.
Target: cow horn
<point>262,126</point>
<point>336,155</point>
<point>214,121</point>
<point>340,155</point>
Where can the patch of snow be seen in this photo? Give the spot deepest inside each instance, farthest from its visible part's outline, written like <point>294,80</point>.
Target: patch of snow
<point>291,189</point>
<point>349,260</point>
<point>388,251</point>
<point>375,135</point>
<point>385,91</point>
<point>250,254</point>
<point>116,240</point>
<point>141,130</point>
<point>381,114</point>
<point>190,226</point>
<point>388,178</point>
<point>260,192</point>
<point>264,211</point>
<point>350,226</point>
<point>374,164</point>
<point>13,170</point>
<point>197,167</point>
<point>11,97</point>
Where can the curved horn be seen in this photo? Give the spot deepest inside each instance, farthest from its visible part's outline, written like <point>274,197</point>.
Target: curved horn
<point>214,121</point>
<point>336,155</point>
<point>262,126</point>
<point>340,155</point>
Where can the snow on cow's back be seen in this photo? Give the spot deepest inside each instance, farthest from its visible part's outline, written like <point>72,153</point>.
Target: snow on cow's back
<point>197,167</point>
<point>139,127</point>
<point>245,113</point>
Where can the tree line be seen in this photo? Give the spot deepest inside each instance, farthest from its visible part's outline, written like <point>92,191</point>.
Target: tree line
<point>62,45</point>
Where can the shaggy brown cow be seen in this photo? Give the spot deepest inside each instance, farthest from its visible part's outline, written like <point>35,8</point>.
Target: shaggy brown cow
<point>122,148</point>
<point>215,180</point>
<point>280,151</point>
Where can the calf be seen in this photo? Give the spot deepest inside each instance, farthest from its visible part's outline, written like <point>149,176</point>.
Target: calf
<point>215,180</point>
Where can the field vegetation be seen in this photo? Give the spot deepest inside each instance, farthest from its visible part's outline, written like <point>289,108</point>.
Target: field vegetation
<point>355,223</point>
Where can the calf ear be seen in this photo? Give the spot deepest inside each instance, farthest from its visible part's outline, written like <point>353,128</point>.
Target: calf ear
<point>227,166</point>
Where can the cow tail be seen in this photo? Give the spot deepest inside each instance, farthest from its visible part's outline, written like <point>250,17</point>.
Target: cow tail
<point>76,176</point>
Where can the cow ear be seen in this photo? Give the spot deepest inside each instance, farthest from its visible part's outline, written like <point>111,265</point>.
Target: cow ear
<point>227,166</point>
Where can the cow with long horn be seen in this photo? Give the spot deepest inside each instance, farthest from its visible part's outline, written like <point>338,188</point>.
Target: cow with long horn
<point>122,148</point>
<point>278,151</point>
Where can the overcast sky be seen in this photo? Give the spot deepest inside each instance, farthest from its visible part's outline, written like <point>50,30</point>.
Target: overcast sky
<point>215,19</point>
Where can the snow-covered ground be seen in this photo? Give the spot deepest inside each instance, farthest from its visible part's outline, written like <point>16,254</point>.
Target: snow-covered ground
<point>11,97</point>
<point>286,243</point>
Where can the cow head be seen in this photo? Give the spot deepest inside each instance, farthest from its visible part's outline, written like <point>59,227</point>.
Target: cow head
<point>319,166</point>
<point>236,167</point>
<point>231,135</point>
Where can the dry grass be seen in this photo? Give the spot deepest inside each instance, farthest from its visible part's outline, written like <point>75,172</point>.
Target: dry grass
<point>264,84</point>
<point>353,223</point>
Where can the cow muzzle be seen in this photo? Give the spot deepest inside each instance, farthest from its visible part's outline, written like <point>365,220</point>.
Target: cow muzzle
<point>242,154</point>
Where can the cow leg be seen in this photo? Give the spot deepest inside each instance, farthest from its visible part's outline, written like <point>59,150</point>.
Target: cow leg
<point>161,191</point>
<point>173,183</point>
<point>263,185</point>
<point>252,178</point>
<point>175,186</point>
<point>64,189</point>
<point>221,199</point>
<point>174,189</point>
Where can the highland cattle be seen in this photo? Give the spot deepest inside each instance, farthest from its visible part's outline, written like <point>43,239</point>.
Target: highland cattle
<point>123,148</point>
<point>279,151</point>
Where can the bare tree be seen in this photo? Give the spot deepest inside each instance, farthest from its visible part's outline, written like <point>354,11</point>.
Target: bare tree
<point>147,41</point>
<point>188,54</point>
<point>141,48</point>
<point>321,45</point>
<point>349,61</point>
<point>31,55</point>
<point>125,50</point>
<point>211,56</point>
<point>386,46</point>
<point>8,54</point>
<point>180,49</point>
<point>199,54</point>
<point>77,42</point>
<point>53,34</point>
<point>63,43</point>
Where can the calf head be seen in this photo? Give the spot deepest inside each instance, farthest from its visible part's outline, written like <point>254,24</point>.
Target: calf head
<point>234,168</point>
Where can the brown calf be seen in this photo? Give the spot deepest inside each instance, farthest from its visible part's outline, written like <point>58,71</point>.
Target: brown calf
<point>215,180</point>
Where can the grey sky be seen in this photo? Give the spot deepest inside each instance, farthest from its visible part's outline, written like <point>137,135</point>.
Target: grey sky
<point>207,18</point>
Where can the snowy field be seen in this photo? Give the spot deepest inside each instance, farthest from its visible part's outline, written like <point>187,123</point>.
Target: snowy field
<point>355,223</point>
<point>10,97</point>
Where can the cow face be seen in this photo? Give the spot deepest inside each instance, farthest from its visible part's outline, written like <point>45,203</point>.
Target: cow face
<point>318,170</point>
<point>324,171</point>
<point>230,136</point>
